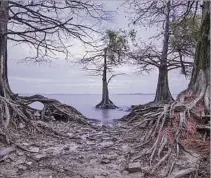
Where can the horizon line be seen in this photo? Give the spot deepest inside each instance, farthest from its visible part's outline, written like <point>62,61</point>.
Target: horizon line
<point>88,94</point>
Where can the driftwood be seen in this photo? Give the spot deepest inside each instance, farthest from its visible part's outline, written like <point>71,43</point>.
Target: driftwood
<point>183,173</point>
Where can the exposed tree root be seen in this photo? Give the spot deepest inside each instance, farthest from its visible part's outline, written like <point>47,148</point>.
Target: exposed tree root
<point>15,112</point>
<point>184,173</point>
<point>53,108</point>
<point>106,105</point>
<point>171,128</point>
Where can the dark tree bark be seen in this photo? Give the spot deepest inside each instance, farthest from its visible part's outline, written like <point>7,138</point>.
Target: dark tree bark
<point>163,93</point>
<point>199,85</point>
<point>202,56</point>
<point>4,84</point>
<point>106,103</point>
<point>14,108</point>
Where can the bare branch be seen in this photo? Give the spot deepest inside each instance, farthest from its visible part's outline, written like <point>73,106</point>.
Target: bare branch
<point>49,25</point>
<point>114,75</point>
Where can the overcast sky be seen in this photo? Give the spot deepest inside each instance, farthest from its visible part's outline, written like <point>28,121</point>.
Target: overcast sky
<point>64,77</point>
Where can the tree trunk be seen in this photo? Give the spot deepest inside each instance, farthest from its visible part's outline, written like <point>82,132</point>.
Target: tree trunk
<point>105,94</point>
<point>199,85</point>
<point>4,84</point>
<point>13,107</point>
<point>202,55</point>
<point>106,103</point>
<point>163,93</point>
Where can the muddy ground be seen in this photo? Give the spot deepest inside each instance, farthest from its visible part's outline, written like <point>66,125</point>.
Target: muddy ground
<point>81,151</point>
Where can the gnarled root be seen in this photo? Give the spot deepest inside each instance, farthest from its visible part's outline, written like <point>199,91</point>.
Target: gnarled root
<point>106,105</point>
<point>15,112</point>
<point>54,109</point>
<point>171,128</point>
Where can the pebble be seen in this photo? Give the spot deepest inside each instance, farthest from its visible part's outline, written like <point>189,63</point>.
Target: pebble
<point>125,172</point>
<point>21,126</point>
<point>134,167</point>
<point>99,176</point>
<point>34,149</point>
<point>105,161</point>
<point>29,163</point>
<point>20,153</point>
<point>39,156</point>
<point>70,135</point>
<point>22,167</point>
<point>106,144</point>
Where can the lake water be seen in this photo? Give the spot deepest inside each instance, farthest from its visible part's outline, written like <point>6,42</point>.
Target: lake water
<point>85,103</point>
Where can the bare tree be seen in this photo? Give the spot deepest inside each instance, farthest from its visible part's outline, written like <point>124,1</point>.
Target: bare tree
<point>175,126</point>
<point>47,26</point>
<point>110,54</point>
<point>165,14</point>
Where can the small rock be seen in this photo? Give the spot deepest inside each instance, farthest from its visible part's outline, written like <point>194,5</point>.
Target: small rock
<point>12,157</point>
<point>106,144</point>
<point>34,149</point>
<point>76,176</point>
<point>90,143</point>
<point>125,172</point>
<point>133,167</point>
<point>70,135</point>
<point>20,153</point>
<point>105,161</point>
<point>125,148</point>
<point>52,118</point>
<point>66,148</point>
<point>29,163</point>
<point>25,144</point>
<point>112,157</point>
<point>39,156</point>
<point>104,174</point>
<point>19,161</point>
<point>99,176</point>
<point>21,126</point>
<point>22,167</point>
<point>37,114</point>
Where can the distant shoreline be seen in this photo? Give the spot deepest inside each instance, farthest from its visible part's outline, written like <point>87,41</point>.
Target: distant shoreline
<point>88,94</point>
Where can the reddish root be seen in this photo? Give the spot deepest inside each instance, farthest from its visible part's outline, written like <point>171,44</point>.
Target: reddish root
<point>173,128</point>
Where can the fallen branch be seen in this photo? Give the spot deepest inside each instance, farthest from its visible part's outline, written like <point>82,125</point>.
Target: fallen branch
<point>183,173</point>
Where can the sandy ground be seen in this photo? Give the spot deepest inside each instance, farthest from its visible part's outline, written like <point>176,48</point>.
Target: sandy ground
<point>84,152</point>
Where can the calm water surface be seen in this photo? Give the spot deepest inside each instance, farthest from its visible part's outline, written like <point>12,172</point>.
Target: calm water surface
<point>85,103</point>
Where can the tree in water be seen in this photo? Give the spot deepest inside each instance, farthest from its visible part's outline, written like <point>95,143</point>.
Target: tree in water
<point>44,26</point>
<point>182,125</point>
<point>106,103</point>
<point>110,55</point>
<point>160,14</point>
